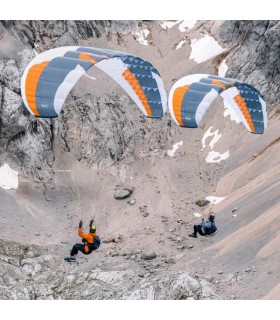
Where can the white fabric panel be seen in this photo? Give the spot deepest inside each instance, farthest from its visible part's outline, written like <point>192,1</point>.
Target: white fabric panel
<point>114,67</point>
<point>265,120</point>
<point>187,80</point>
<point>66,86</point>
<point>229,95</point>
<point>162,91</point>
<point>205,104</point>
<point>170,98</point>
<point>52,53</point>
<point>45,56</point>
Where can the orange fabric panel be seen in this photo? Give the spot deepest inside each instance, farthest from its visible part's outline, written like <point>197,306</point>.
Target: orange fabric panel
<point>135,85</point>
<point>243,107</point>
<point>219,83</point>
<point>177,100</point>
<point>31,83</point>
<point>85,56</point>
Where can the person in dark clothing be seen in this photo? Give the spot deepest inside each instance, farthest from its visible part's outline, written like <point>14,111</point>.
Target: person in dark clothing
<point>205,228</point>
<point>90,241</point>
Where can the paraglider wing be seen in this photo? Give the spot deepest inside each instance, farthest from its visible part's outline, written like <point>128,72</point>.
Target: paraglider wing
<point>191,96</point>
<point>50,76</point>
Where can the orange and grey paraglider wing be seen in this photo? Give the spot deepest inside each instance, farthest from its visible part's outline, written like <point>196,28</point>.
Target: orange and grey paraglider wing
<point>50,76</point>
<point>191,96</point>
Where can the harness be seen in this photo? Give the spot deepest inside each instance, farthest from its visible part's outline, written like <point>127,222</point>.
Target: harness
<point>89,247</point>
<point>213,228</point>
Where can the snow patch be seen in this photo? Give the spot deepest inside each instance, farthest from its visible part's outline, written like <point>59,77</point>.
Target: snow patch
<point>8,177</point>
<point>215,200</point>
<point>230,112</point>
<point>141,35</point>
<point>216,137</point>
<point>176,146</point>
<point>197,214</point>
<point>216,157</point>
<point>180,44</point>
<point>187,24</point>
<point>184,25</point>
<point>205,48</point>
<point>169,24</point>
<point>222,69</point>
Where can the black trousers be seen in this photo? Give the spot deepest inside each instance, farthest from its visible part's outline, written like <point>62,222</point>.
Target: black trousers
<point>197,229</point>
<point>78,247</point>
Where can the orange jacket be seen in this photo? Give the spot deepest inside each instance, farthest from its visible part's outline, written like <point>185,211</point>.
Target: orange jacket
<point>89,238</point>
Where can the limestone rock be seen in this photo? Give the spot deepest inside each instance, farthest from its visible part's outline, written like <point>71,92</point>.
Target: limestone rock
<point>122,193</point>
<point>183,287</point>
<point>202,202</point>
<point>260,40</point>
<point>148,255</point>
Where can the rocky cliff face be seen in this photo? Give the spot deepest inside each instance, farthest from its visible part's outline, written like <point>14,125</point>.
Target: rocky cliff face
<point>27,273</point>
<point>46,34</point>
<point>254,56</point>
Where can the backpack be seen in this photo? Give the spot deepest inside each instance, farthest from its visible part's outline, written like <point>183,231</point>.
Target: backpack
<point>97,242</point>
<point>211,230</point>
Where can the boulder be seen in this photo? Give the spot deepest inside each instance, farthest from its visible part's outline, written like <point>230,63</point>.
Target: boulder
<point>184,287</point>
<point>122,193</point>
<point>202,202</point>
<point>169,260</point>
<point>131,202</point>
<point>148,255</point>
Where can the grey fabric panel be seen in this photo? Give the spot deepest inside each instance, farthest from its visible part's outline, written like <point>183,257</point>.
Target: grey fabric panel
<point>43,106</point>
<point>234,81</point>
<point>251,97</point>
<point>209,81</point>
<point>204,87</point>
<point>194,95</point>
<point>107,52</point>
<point>142,70</point>
<point>72,54</point>
<point>192,98</point>
<point>69,63</point>
<point>75,54</point>
<point>188,111</point>
<point>50,79</point>
<point>246,87</point>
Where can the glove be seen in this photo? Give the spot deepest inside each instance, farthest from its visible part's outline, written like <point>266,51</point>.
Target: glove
<point>80,224</point>
<point>91,222</point>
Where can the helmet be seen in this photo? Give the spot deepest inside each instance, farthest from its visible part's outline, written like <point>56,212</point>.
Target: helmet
<point>92,228</point>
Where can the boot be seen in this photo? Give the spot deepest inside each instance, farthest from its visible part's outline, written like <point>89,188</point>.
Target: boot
<point>70,259</point>
<point>193,235</point>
